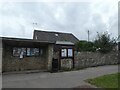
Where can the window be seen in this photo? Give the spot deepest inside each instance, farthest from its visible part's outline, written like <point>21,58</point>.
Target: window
<point>41,51</point>
<point>64,52</point>
<point>28,52</point>
<point>32,51</point>
<point>24,51</point>
<point>20,52</point>
<point>67,52</point>
<point>16,51</point>
<point>70,52</point>
<point>36,51</point>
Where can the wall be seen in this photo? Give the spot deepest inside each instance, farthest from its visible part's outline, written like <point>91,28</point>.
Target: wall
<point>11,63</point>
<point>89,59</point>
<point>66,63</point>
<point>0,56</point>
<point>0,64</point>
<point>50,56</point>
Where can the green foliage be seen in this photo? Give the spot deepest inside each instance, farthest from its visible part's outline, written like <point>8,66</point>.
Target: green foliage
<point>104,43</point>
<point>85,46</point>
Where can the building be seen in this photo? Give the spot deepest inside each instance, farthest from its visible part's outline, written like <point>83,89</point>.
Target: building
<point>119,42</point>
<point>44,52</point>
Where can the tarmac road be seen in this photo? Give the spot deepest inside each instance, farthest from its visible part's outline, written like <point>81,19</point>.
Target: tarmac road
<point>69,79</point>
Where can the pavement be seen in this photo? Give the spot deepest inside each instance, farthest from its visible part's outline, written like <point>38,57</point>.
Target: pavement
<point>71,79</point>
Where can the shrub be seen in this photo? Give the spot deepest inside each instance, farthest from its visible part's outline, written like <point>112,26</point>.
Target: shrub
<point>85,46</point>
<point>103,43</point>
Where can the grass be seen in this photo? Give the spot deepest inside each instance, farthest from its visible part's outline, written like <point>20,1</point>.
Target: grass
<point>106,81</point>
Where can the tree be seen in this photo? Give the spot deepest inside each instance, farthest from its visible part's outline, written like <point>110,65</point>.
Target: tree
<point>85,46</point>
<point>104,43</point>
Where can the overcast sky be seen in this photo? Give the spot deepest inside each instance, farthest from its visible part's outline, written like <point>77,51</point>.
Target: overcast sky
<point>17,18</point>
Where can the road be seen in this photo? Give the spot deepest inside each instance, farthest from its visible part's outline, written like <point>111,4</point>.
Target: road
<point>69,79</point>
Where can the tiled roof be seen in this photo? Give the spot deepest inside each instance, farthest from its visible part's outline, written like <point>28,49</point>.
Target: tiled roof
<point>54,36</point>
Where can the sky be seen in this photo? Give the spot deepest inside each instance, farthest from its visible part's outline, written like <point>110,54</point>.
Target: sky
<point>19,19</point>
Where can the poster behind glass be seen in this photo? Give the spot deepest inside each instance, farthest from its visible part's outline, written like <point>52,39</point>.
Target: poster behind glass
<point>32,51</point>
<point>18,51</point>
<point>64,53</point>
<point>70,53</point>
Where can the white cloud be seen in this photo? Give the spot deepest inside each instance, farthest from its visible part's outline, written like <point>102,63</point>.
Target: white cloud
<point>75,17</point>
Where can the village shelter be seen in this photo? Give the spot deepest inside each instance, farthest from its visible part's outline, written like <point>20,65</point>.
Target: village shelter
<point>44,52</point>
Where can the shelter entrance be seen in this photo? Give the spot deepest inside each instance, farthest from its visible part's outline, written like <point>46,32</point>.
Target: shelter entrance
<point>55,65</point>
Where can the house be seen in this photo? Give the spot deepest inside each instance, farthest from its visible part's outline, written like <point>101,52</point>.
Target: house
<point>45,51</point>
<point>119,42</point>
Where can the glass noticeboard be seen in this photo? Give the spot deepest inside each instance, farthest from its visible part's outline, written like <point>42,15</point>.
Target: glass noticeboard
<point>70,52</point>
<point>20,52</point>
<point>64,52</point>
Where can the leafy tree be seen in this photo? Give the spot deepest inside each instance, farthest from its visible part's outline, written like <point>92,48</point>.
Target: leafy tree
<point>104,43</point>
<point>85,46</point>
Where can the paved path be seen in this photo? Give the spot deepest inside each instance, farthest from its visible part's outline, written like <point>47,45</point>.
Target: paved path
<point>56,80</point>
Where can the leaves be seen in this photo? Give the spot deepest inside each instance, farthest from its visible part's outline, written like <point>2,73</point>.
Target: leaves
<point>85,46</point>
<point>103,43</point>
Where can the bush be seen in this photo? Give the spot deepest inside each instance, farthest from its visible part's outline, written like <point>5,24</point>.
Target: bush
<point>85,46</point>
<point>104,43</point>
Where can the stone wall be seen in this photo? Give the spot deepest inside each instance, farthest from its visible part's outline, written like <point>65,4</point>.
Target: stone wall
<point>50,56</point>
<point>66,63</point>
<point>89,59</point>
<point>11,63</point>
<point>0,56</point>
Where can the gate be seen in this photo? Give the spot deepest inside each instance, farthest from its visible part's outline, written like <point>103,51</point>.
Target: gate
<point>55,65</point>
